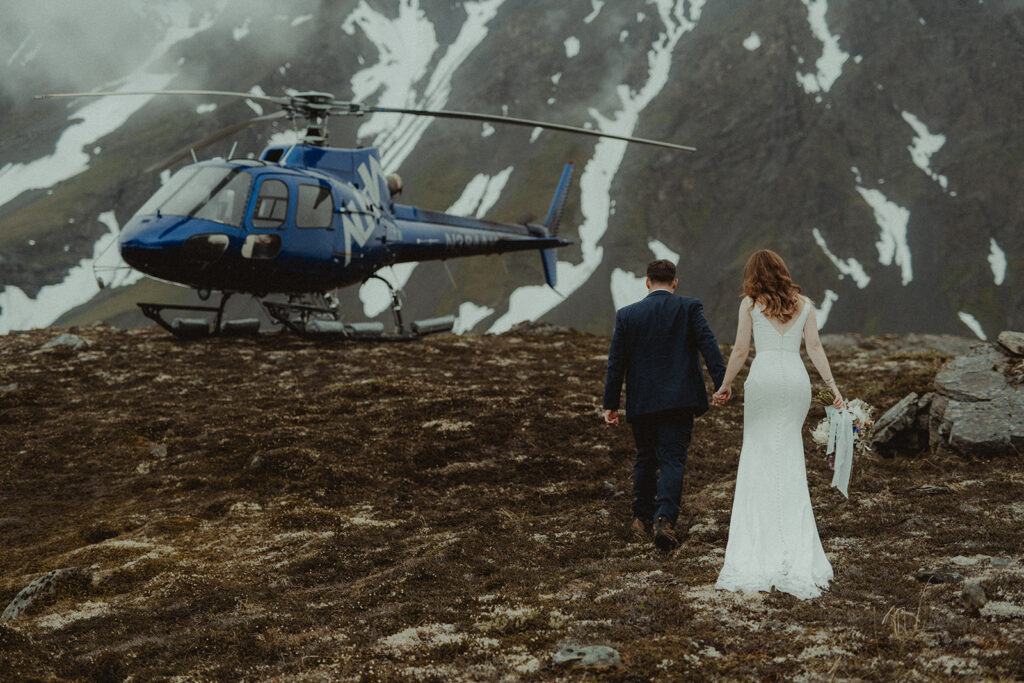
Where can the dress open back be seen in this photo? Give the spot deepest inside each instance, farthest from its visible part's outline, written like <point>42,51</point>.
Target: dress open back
<point>773,538</point>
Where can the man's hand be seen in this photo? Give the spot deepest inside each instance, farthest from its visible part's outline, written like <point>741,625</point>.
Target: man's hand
<point>611,417</point>
<point>721,396</point>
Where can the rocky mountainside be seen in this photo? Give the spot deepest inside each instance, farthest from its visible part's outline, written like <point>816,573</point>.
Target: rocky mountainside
<point>877,147</point>
<point>456,509</point>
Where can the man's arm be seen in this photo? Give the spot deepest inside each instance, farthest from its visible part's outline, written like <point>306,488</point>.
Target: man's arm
<point>616,371</point>
<point>708,346</point>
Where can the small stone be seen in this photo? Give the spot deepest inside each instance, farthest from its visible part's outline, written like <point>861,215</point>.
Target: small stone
<point>1002,610</point>
<point>158,450</point>
<point>1001,562</point>
<point>589,657</point>
<point>973,596</point>
<point>70,340</point>
<point>938,575</point>
<point>7,388</point>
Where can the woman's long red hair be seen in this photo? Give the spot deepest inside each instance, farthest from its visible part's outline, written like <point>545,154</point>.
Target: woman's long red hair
<point>767,282</point>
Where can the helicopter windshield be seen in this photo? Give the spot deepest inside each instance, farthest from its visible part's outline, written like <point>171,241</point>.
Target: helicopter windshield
<point>213,193</point>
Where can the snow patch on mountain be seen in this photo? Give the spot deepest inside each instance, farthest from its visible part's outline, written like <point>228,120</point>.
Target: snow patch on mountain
<point>997,260</point>
<point>850,266</point>
<point>19,312</point>
<point>925,144</point>
<point>830,64</point>
<point>892,244</point>
<point>972,324</point>
<point>531,302</point>
<point>822,312</point>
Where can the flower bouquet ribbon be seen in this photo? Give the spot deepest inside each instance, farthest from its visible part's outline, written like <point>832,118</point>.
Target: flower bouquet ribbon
<point>840,443</point>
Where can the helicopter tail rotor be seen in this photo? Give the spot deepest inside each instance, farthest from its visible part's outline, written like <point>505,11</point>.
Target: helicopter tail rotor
<point>548,256</point>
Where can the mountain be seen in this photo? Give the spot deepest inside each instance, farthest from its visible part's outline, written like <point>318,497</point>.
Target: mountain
<point>877,147</point>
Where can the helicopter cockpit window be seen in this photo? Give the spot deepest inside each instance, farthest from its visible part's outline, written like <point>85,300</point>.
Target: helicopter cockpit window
<point>271,205</point>
<point>212,193</point>
<point>315,208</point>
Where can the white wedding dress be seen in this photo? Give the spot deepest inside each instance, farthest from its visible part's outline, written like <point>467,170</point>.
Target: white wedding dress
<point>773,539</point>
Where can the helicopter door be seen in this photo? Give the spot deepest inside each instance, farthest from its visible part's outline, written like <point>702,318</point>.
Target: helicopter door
<point>269,214</point>
<point>313,239</point>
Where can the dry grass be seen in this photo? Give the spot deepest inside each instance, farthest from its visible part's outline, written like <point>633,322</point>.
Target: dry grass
<point>449,509</point>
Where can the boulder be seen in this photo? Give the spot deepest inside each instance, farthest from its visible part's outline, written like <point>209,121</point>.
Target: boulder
<point>980,428</point>
<point>1012,342</point>
<point>973,377</point>
<point>896,420</point>
<point>977,410</point>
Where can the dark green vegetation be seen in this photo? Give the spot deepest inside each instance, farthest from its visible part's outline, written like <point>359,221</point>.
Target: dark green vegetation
<point>274,509</point>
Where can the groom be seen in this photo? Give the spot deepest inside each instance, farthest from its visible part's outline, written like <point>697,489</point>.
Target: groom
<point>657,346</point>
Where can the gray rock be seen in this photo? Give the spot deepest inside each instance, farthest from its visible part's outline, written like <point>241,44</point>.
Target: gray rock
<point>1012,342</point>
<point>588,656</point>
<point>972,378</point>
<point>980,428</point>
<point>973,596</point>
<point>158,450</point>
<point>71,340</point>
<point>7,388</point>
<point>45,587</point>
<point>924,405</point>
<point>1016,422</point>
<point>937,575</point>
<point>896,420</point>
<point>938,428</point>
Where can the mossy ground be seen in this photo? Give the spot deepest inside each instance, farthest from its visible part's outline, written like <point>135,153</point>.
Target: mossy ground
<point>450,509</point>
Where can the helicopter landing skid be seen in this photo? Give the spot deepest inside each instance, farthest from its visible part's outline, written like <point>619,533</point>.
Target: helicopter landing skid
<point>196,328</point>
<point>322,323</point>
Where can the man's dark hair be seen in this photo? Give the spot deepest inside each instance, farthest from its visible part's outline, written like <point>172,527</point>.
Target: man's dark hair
<point>661,271</point>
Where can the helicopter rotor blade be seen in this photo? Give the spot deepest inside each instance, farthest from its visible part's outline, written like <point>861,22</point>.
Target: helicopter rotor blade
<point>491,118</point>
<point>184,152</point>
<point>226,93</point>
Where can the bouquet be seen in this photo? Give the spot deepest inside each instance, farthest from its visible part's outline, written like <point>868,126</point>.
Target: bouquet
<point>841,432</point>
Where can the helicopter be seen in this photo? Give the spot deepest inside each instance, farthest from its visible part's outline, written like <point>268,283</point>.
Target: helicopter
<point>304,219</point>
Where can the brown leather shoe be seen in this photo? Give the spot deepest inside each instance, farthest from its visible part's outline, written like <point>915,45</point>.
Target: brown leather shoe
<point>642,529</point>
<point>665,535</point>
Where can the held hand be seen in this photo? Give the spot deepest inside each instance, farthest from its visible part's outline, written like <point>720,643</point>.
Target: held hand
<point>839,402</point>
<point>723,394</point>
<point>611,417</point>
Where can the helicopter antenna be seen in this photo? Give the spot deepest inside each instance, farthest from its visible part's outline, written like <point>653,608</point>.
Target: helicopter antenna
<point>231,154</point>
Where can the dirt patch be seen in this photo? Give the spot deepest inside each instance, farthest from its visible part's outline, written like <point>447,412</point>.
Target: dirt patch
<point>452,508</point>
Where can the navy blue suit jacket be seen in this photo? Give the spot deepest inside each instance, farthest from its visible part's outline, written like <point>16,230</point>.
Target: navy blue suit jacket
<point>656,347</point>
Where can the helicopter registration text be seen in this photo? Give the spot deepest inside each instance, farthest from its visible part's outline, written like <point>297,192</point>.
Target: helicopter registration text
<point>470,240</point>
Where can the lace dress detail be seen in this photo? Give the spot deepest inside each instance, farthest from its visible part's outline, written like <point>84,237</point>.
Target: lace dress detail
<point>773,538</point>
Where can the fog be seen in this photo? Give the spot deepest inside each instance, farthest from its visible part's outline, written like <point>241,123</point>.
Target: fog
<point>84,45</point>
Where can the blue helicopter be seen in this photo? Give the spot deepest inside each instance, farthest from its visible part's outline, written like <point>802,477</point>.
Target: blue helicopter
<point>305,219</point>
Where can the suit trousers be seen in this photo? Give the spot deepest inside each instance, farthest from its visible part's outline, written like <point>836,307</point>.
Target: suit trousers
<point>662,440</point>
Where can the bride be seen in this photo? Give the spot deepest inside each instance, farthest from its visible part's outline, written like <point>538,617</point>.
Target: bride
<point>773,539</point>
